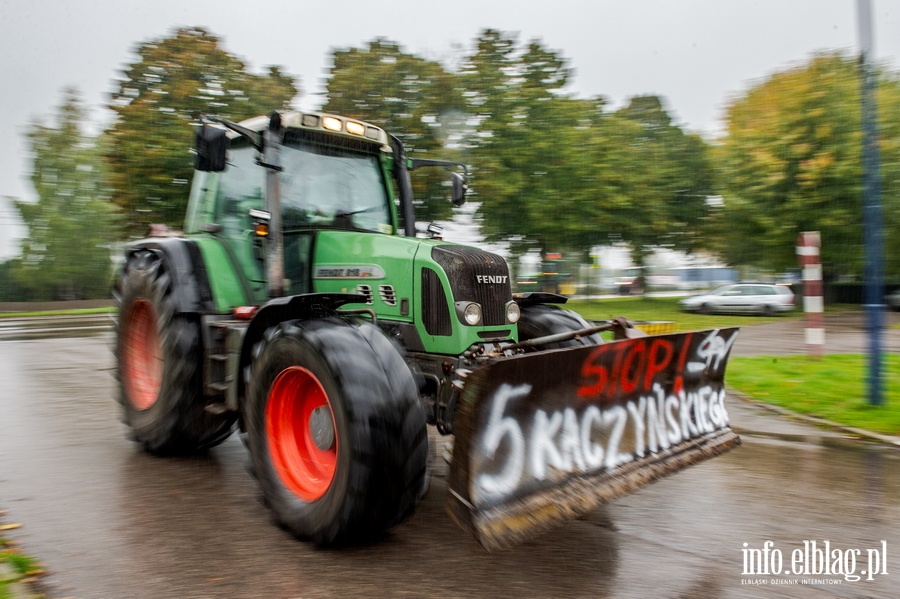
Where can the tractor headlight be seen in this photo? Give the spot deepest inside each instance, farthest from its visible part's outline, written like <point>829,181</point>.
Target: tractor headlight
<point>356,128</point>
<point>469,312</point>
<point>512,312</point>
<point>332,124</point>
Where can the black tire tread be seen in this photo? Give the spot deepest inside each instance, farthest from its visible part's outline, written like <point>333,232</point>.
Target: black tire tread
<point>539,320</point>
<point>386,424</point>
<point>178,422</point>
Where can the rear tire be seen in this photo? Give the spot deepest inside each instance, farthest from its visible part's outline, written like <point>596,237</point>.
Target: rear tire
<point>539,320</point>
<point>335,430</point>
<point>159,364</point>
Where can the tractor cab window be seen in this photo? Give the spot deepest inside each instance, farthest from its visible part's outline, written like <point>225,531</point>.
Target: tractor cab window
<point>240,190</point>
<point>328,186</point>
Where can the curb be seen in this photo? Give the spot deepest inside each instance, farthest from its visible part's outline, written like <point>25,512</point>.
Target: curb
<point>889,440</point>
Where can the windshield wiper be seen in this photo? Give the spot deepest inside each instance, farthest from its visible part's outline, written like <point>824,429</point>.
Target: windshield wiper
<point>343,214</point>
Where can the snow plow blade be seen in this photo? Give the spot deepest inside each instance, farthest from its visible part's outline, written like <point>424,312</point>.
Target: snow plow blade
<point>545,437</point>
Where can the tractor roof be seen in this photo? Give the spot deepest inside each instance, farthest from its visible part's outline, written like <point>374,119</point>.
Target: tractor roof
<point>320,121</point>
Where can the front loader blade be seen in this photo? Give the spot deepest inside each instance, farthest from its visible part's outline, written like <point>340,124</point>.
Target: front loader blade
<point>545,437</point>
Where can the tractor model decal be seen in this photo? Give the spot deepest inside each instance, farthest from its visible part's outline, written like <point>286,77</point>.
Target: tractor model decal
<point>349,272</point>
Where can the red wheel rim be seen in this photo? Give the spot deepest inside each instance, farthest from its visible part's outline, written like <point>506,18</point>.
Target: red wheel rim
<point>142,355</point>
<point>301,433</point>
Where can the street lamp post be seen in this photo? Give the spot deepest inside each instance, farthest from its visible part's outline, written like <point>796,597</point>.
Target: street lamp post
<point>872,227</point>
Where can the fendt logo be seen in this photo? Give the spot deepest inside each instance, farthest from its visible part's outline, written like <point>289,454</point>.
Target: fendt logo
<point>488,279</point>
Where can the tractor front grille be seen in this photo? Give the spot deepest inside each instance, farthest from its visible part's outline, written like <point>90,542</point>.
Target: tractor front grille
<point>477,276</point>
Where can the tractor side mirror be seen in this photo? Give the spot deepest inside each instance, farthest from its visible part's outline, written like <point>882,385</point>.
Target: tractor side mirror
<point>210,146</point>
<point>458,189</point>
<point>458,185</point>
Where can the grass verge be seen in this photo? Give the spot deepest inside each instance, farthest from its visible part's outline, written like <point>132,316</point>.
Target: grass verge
<point>666,309</point>
<point>833,387</point>
<point>74,312</point>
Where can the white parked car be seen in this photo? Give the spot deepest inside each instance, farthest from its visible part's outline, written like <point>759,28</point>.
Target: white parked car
<point>742,298</point>
<point>893,300</point>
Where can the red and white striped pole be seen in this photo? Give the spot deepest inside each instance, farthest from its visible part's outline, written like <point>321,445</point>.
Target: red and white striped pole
<point>808,244</point>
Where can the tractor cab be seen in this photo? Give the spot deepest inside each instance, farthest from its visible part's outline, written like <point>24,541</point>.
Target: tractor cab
<point>256,182</point>
<point>268,185</point>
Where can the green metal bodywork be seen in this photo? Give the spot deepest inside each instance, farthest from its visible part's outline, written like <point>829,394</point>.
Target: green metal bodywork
<point>344,260</point>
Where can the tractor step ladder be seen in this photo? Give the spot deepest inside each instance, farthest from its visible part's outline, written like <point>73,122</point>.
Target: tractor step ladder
<point>221,368</point>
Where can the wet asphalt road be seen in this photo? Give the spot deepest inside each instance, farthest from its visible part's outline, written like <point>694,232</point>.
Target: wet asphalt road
<point>110,521</point>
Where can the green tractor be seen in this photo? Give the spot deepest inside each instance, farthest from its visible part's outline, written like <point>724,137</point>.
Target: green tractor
<point>301,306</point>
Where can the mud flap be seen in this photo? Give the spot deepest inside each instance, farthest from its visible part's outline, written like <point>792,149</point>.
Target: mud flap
<point>545,437</point>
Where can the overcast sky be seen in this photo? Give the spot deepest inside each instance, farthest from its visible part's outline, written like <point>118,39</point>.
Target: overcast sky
<point>695,53</point>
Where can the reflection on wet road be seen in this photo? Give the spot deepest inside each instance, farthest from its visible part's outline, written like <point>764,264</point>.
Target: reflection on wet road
<point>109,521</point>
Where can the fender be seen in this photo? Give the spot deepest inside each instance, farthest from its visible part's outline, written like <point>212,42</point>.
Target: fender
<point>532,298</point>
<point>308,305</point>
<point>190,280</point>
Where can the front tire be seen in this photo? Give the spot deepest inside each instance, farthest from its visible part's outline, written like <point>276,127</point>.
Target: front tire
<point>159,359</point>
<point>335,430</point>
<point>539,320</point>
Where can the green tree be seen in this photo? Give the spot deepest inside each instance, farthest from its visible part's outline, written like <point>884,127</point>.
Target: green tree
<point>11,290</point>
<point>550,172</point>
<point>791,162</point>
<point>522,146</point>
<point>172,81</point>
<point>888,99</point>
<point>666,179</point>
<point>546,190</point>
<point>482,109</point>
<point>563,174</point>
<point>413,98</point>
<point>66,254</point>
<point>410,97</point>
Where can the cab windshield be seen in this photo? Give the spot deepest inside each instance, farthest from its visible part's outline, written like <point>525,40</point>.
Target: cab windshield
<point>328,186</point>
